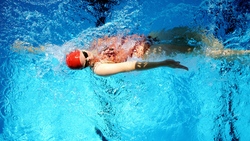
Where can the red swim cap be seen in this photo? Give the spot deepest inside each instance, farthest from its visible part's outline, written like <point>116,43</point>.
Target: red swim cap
<point>73,60</point>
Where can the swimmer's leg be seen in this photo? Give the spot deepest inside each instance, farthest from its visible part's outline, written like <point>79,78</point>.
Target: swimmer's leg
<point>176,40</point>
<point>178,48</point>
<point>221,53</point>
<point>169,49</point>
<point>178,36</point>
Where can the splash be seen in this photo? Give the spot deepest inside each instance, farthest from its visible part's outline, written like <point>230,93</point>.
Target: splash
<point>43,100</point>
<point>41,2</point>
<point>227,20</point>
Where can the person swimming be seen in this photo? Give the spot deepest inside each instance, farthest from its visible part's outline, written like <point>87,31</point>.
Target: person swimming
<point>115,54</point>
<point>109,55</point>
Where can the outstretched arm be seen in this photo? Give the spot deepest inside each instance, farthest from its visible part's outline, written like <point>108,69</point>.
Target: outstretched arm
<point>109,69</point>
<point>19,46</point>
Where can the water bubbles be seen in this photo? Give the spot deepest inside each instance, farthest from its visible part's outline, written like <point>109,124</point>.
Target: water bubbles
<point>41,2</point>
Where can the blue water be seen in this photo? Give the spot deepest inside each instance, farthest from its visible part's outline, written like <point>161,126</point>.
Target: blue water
<point>42,100</point>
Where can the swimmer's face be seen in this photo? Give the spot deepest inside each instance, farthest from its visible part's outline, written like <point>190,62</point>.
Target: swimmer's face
<point>83,58</point>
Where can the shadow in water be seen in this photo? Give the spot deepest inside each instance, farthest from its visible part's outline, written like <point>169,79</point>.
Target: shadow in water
<point>225,122</point>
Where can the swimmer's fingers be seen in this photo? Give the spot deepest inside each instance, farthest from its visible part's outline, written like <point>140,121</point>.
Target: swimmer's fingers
<point>182,67</point>
<point>179,66</point>
<point>175,64</point>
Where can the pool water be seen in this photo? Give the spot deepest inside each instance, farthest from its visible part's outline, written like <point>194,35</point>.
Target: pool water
<point>42,100</point>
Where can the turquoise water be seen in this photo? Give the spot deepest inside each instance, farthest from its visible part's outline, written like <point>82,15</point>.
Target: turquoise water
<point>42,100</point>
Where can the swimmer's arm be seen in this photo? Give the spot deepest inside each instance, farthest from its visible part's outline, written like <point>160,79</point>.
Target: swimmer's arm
<point>19,46</point>
<point>109,69</point>
<point>35,50</point>
<point>105,69</point>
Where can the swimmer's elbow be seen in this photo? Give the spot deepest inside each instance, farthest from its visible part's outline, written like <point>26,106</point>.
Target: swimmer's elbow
<point>102,71</point>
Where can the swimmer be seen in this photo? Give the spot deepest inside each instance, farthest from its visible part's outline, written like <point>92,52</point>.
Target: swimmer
<point>80,59</point>
<point>110,55</point>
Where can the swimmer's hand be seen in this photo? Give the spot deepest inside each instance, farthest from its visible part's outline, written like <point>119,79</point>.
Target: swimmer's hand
<point>174,64</point>
<point>168,63</point>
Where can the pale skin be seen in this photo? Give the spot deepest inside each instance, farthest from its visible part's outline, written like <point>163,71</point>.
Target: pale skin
<point>104,69</point>
<point>19,45</point>
<point>215,50</point>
